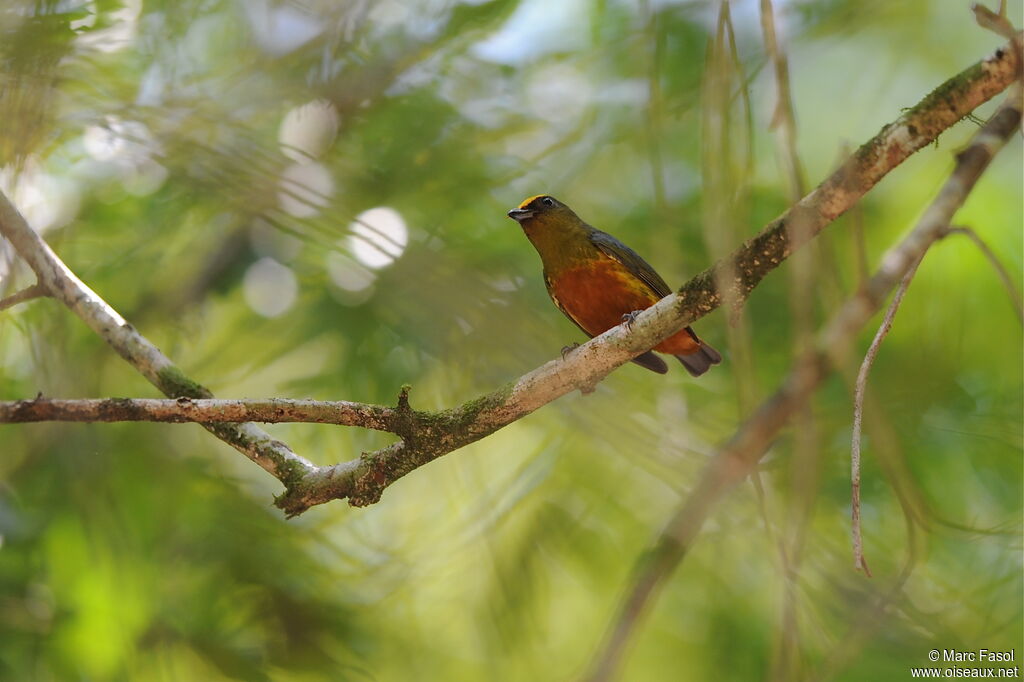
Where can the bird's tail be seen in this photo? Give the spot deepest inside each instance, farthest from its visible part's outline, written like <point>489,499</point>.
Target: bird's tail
<point>701,361</point>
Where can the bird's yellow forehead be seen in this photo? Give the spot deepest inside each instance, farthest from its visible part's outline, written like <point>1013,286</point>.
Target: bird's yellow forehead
<point>527,202</point>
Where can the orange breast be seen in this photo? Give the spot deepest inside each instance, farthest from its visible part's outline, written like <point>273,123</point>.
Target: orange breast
<point>598,294</point>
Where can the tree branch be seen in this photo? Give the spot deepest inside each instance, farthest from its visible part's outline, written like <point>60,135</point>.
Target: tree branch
<point>62,284</point>
<point>203,411</point>
<point>997,265</point>
<point>916,128</point>
<point>744,450</point>
<point>860,387</point>
<point>26,294</point>
<point>428,435</point>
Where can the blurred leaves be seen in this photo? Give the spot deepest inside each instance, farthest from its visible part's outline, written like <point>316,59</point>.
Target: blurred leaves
<point>150,142</point>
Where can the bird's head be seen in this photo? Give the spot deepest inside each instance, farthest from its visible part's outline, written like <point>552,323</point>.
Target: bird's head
<point>543,211</point>
<point>557,233</point>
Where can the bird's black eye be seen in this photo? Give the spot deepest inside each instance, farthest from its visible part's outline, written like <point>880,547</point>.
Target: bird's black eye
<point>547,201</point>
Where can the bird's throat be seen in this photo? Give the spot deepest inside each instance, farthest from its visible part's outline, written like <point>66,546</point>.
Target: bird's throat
<point>561,246</point>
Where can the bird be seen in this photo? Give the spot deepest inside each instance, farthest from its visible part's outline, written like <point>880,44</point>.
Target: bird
<point>598,282</point>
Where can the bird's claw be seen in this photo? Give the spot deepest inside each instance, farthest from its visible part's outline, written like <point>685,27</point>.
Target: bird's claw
<point>629,318</point>
<point>567,349</point>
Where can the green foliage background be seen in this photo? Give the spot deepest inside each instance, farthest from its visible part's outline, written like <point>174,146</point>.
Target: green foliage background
<point>151,552</point>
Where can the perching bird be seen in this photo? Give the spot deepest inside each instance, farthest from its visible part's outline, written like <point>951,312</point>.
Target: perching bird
<point>598,282</point>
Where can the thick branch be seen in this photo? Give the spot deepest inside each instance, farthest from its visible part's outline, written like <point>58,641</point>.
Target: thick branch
<point>738,458</point>
<point>203,411</point>
<point>916,128</point>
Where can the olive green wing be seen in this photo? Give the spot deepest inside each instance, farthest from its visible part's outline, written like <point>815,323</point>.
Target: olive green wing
<point>616,250</point>
<point>613,248</point>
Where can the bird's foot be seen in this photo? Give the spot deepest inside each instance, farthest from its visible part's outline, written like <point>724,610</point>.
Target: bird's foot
<point>629,318</point>
<point>568,349</point>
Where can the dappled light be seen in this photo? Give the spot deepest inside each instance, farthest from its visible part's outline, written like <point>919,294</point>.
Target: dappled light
<point>307,131</point>
<point>270,288</point>
<point>378,236</point>
<point>305,189</point>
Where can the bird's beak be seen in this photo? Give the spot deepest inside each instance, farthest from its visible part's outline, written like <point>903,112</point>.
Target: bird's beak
<point>520,214</point>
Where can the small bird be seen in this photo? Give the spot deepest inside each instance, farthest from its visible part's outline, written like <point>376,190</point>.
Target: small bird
<point>599,282</point>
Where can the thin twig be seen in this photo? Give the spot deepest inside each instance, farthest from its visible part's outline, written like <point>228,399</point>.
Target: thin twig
<point>860,249</point>
<point>859,561</point>
<point>737,458</point>
<point>993,259</point>
<point>784,119</point>
<point>37,290</point>
<point>654,113</point>
<point>866,619</point>
<point>803,273</point>
<point>726,182</point>
<point>995,22</point>
<point>743,88</point>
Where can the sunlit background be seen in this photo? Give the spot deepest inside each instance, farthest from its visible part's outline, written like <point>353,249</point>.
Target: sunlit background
<point>307,199</point>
